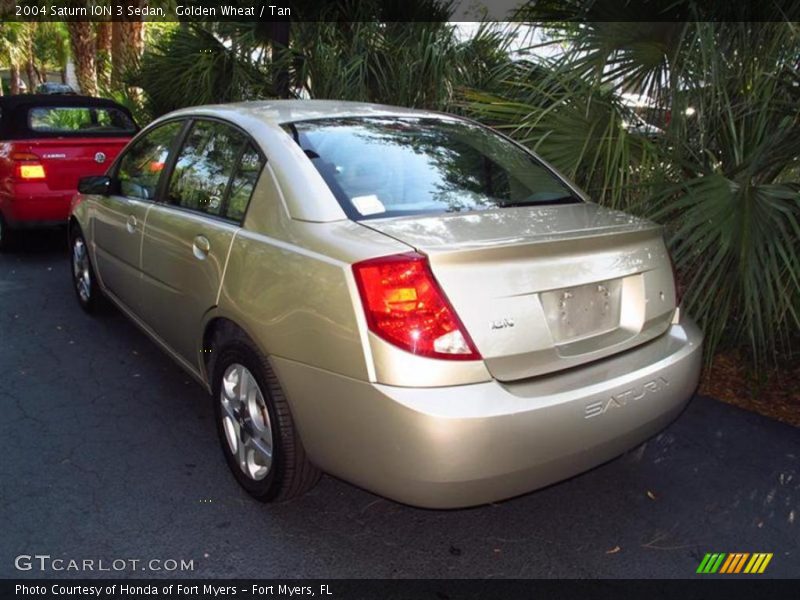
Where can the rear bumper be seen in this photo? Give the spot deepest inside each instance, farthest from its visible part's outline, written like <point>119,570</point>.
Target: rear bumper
<point>473,444</point>
<point>34,205</point>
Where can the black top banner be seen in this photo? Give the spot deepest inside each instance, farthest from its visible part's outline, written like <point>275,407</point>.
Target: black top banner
<point>397,10</point>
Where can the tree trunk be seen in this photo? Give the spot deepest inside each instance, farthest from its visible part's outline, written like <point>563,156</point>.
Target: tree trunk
<point>280,53</point>
<point>103,45</point>
<point>127,46</point>
<point>14,83</point>
<point>30,74</point>
<point>30,71</point>
<point>81,36</point>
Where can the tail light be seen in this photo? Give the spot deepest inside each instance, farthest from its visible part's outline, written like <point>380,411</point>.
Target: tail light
<point>27,166</point>
<point>405,306</point>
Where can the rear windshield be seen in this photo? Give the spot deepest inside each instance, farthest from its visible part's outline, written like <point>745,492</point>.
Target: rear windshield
<point>384,167</point>
<point>80,120</point>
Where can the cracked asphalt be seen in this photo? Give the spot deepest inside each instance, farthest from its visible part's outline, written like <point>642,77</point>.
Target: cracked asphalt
<point>108,451</point>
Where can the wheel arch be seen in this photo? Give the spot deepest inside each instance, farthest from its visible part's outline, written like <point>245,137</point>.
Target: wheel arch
<point>215,326</point>
<point>73,224</point>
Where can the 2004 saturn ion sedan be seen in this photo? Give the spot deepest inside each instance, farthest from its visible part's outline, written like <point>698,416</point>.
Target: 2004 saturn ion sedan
<point>404,299</point>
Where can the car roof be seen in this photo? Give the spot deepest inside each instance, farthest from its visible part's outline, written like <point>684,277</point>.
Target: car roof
<point>278,112</point>
<point>24,100</point>
<point>293,171</point>
<point>13,125</point>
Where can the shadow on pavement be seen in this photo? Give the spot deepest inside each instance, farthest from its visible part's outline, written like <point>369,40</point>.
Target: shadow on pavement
<point>38,242</point>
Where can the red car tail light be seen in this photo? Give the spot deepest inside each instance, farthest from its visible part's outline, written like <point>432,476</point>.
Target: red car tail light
<point>406,307</point>
<point>27,166</point>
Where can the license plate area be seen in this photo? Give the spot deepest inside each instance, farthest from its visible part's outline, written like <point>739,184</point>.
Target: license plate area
<point>582,311</point>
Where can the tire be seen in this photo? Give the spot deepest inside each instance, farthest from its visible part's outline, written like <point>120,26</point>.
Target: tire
<point>84,280</point>
<point>263,421</point>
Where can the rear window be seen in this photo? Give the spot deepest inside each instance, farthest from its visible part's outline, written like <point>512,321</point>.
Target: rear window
<point>383,167</point>
<point>80,120</point>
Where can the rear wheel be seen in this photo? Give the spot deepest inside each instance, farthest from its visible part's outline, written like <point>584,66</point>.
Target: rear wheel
<point>255,426</point>
<point>84,281</point>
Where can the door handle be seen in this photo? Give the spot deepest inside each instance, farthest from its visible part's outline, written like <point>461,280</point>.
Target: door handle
<point>201,247</point>
<point>131,224</point>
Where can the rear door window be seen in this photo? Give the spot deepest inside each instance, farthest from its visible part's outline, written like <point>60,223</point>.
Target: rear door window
<point>215,171</point>
<point>244,182</point>
<point>80,120</point>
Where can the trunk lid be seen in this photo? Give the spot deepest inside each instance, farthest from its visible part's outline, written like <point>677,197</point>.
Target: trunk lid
<point>545,288</point>
<point>66,160</point>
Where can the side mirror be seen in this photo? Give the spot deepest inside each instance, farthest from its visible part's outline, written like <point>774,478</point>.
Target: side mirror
<point>100,185</point>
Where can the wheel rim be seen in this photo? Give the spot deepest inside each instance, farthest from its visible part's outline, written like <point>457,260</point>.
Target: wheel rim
<point>245,420</point>
<point>80,270</point>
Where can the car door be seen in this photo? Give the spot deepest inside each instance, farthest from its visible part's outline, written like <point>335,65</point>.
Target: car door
<point>188,236</point>
<point>118,219</point>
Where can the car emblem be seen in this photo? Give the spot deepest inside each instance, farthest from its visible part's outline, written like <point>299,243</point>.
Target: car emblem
<point>594,409</point>
<point>100,157</point>
<point>502,323</point>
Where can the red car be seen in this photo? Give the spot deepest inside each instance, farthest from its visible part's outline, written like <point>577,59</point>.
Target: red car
<point>47,143</point>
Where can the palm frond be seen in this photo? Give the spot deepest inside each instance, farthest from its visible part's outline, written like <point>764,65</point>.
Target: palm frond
<point>192,66</point>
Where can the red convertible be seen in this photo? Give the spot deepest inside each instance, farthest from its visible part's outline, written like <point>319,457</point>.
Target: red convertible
<point>47,143</point>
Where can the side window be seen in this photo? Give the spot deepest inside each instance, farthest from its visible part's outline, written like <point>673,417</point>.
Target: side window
<point>141,165</point>
<point>204,167</point>
<point>244,181</point>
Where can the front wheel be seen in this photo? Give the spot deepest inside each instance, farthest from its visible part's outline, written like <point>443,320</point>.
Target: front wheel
<point>84,281</point>
<point>255,426</point>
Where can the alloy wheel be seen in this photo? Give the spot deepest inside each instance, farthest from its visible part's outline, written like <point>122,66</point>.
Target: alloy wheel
<point>81,270</point>
<point>246,422</point>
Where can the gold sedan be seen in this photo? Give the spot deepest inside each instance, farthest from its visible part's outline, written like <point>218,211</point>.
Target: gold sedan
<point>404,299</point>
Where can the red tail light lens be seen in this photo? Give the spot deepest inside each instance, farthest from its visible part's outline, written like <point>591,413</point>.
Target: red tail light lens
<point>406,307</point>
<point>28,166</point>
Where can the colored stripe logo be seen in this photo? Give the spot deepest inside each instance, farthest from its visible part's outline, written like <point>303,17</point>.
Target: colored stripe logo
<point>736,562</point>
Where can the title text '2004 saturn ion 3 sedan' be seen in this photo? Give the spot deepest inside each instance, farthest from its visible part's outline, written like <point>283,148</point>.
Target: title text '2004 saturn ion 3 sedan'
<point>403,299</point>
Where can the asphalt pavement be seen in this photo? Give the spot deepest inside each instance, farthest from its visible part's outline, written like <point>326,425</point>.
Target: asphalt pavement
<point>108,452</point>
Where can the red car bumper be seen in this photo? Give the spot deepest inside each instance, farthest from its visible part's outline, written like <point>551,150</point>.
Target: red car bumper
<point>33,204</point>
